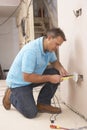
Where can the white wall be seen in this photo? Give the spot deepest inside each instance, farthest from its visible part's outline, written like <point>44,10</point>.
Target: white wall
<point>9,2</point>
<point>73,52</point>
<point>9,45</point>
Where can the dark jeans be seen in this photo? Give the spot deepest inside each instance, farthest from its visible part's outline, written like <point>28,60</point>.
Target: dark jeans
<point>23,100</point>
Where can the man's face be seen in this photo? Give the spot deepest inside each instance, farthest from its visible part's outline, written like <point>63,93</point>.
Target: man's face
<point>54,43</point>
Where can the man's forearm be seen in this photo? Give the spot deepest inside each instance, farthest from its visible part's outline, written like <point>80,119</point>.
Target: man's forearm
<point>36,78</point>
<point>57,65</point>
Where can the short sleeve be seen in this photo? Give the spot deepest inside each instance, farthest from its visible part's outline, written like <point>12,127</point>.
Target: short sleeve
<point>28,61</point>
<point>53,57</point>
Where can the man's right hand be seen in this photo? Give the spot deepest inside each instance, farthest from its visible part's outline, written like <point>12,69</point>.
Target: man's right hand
<point>55,78</point>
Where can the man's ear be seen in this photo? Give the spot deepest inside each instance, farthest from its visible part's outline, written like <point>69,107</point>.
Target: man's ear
<point>49,37</point>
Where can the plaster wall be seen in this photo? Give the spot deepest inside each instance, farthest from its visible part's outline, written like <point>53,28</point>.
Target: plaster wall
<point>9,45</point>
<point>73,52</point>
<point>9,2</point>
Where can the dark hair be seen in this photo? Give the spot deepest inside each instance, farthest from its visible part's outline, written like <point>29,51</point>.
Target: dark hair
<point>55,32</point>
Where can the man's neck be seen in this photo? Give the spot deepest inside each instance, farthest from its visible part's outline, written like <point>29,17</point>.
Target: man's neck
<point>45,44</point>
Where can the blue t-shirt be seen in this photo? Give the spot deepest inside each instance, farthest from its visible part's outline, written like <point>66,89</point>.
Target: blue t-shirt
<point>30,59</point>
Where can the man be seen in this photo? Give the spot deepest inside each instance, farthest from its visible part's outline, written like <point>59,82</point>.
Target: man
<point>29,70</point>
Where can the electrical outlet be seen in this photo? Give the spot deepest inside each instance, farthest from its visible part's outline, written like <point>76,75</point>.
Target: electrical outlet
<point>80,77</point>
<point>78,12</point>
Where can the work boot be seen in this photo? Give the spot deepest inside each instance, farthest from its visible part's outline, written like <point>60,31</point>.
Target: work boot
<point>6,99</point>
<point>48,109</point>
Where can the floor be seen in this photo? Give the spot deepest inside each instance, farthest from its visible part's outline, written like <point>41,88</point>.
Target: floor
<point>13,120</point>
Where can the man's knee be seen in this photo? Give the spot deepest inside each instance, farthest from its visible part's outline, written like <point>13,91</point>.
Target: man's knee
<point>51,71</point>
<point>54,71</point>
<point>30,113</point>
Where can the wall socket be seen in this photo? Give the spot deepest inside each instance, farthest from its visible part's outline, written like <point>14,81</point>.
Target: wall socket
<point>78,12</point>
<point>80,77</point>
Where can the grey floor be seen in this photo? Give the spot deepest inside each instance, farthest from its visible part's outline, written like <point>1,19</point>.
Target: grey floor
<point>13,120</point>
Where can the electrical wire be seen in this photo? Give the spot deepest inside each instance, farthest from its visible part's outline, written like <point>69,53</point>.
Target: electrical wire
<point>10,15</point>
<point>54,116</point>
<point>55,102</point>
<point>74,111</point>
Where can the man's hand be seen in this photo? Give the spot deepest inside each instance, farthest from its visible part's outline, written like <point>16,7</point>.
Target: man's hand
<point>62,71</point>
<point>60,68</point>
<point>55,78</point>
<point>36,78</point>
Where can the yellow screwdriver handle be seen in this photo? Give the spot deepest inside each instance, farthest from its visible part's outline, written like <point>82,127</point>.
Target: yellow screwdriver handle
<point>67,77</point>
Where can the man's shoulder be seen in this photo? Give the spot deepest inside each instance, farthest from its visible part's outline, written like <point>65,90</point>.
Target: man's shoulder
<point>33,46</point>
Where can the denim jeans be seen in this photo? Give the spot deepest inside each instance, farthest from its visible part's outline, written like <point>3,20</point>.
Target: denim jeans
<point>22,97</point>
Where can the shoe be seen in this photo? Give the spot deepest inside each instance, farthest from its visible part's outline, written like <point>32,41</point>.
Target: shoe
<point>6,99</point>
<point>48,109</point>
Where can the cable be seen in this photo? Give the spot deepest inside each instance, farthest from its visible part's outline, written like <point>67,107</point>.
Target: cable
<point>75,111</point>
<point>10,15</point>
<point>80,128</point>
<point>54,116</point>
<point>55,102</point>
